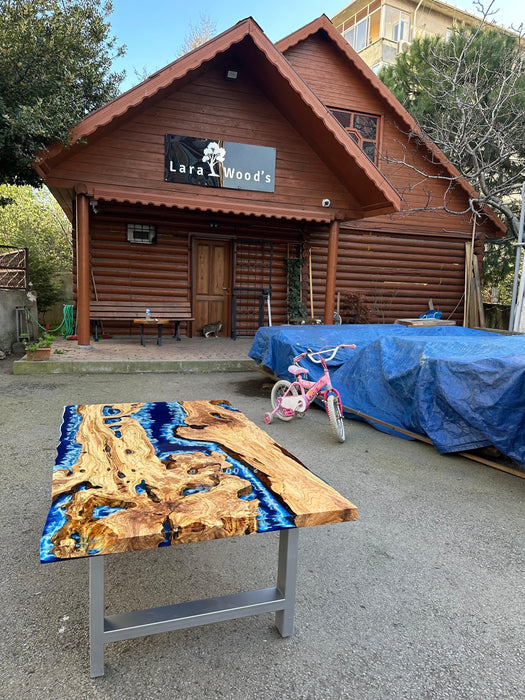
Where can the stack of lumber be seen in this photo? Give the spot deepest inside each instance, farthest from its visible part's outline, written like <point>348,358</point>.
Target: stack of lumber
<point>473,315</point>
<point>425,322</point>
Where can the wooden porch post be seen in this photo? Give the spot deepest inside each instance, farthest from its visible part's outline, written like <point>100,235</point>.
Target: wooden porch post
<point>331,272</point>
<point>82,215</point>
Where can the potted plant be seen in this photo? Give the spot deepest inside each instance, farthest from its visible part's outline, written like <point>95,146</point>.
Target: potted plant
<point>41,349</point>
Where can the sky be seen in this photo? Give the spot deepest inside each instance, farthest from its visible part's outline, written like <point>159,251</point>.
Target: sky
<point>154,30</point>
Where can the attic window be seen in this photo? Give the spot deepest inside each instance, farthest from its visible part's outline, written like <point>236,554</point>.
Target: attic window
<point>363,129</point>
<point>142,233</point>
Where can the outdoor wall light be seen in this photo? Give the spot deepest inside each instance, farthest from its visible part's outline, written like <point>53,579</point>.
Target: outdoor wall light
<point>231,74</point>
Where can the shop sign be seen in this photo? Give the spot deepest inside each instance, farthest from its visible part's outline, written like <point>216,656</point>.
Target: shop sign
<point>217,163</point>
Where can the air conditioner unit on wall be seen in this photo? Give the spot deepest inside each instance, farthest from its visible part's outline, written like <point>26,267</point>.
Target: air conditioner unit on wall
<point>141,233</point>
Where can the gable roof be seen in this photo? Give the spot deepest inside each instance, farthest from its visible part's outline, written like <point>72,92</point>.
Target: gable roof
<point>324,25</point>
<point>284,87</point>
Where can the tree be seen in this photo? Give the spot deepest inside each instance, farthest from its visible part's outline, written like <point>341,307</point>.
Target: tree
<point>468,95</point>
<point>35,221</point>
<point>198,34</point>
<point>55,58</point>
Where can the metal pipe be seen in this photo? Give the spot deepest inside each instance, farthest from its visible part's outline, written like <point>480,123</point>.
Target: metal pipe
<point>518,261</point>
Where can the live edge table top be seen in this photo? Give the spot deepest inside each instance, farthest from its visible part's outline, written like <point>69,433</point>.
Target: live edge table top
<point>144,475</point>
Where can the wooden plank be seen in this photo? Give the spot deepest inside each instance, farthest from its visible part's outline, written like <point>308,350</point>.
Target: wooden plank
<point>467,319</point>
<point>477,292</point>
<point>425,322</point>
<point>422,438</point>
<point>312,501</point>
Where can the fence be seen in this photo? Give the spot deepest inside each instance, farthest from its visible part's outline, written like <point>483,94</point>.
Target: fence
<point>13,267</point>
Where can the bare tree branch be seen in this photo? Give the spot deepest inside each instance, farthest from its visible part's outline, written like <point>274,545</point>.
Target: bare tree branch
<point>468,96</point>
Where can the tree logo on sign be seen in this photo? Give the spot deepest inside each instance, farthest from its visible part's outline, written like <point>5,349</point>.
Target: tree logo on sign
<point>213,154</point>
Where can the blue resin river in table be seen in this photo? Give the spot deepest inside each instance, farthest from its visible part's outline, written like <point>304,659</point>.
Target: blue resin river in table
<point>160,421</point>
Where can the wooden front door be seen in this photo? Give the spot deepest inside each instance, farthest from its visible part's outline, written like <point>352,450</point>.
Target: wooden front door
<point>212,284</point>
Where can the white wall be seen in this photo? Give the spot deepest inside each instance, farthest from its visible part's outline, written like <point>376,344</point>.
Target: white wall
<point>9,300</point>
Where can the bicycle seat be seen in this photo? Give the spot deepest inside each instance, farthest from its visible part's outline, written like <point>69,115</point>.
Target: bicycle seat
<point>295,369</point>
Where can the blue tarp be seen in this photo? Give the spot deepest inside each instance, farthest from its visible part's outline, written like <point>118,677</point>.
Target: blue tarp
<point>462,388</point>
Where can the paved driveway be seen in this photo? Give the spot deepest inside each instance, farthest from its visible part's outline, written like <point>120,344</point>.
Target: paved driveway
<point>422,597</point>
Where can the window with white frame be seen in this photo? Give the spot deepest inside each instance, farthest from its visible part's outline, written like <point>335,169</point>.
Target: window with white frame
<point>363,28</point>
<point>396,24</point>
<point>375,22</point>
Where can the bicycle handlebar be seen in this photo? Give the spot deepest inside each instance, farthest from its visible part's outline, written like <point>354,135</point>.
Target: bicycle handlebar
<point>311,354</point>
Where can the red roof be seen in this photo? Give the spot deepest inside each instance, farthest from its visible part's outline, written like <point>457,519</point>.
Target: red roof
<point>284,86</point>
<point>323,24</point>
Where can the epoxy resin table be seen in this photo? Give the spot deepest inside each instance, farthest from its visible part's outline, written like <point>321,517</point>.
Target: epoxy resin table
<point>144,475</point>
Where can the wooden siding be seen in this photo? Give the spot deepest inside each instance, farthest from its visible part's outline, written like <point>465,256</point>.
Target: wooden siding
<point>327,72</point>
<point>132,156</point>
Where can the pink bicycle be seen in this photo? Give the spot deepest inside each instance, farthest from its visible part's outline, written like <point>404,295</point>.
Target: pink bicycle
<point>291,399</point>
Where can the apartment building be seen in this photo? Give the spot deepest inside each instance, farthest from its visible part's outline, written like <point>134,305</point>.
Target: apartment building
<point>382,29</point>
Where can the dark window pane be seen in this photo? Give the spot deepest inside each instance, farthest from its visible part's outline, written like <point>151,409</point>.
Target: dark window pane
<point>370,149</point>
<point>343,118</point>
<point>367,126</point>
<point>362,128</point>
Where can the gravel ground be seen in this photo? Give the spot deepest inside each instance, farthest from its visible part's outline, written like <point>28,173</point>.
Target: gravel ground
<point>422,597</point>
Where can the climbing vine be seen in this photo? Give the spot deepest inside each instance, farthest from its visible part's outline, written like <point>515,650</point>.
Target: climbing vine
<point>295,307</point>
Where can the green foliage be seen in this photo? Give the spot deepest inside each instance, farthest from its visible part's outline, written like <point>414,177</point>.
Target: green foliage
<point>295,307</point>
<point>34,220</point>
<point>468,95</point>
<point>499,260</point>
<point>46,286</point>
<point>45,341</point>
<point>55,57</point>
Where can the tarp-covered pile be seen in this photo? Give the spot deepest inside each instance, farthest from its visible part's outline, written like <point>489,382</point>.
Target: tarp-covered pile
<point>462,388</point>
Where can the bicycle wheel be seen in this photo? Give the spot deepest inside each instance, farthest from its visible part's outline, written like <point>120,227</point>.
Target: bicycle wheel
<point>335,417</point>
<point>278,390</point>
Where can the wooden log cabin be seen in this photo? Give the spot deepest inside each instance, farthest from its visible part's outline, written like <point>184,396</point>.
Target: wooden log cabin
<point>198,185</point>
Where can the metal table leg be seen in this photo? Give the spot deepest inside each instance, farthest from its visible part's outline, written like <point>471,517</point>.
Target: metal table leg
<point>286,580</point>
<point>96,616</point>
<point>113,628</point>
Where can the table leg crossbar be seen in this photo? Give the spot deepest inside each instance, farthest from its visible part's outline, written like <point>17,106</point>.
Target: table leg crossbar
<point>113,628</point>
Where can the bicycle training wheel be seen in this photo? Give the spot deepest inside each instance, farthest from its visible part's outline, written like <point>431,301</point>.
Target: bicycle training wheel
<point>335,417</point>
<point>278,390</point>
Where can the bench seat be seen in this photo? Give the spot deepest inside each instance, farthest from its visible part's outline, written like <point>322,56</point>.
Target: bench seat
<point>176,311</point>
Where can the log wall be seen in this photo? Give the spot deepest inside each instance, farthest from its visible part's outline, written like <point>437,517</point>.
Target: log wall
<point>124,271</point>
<point>395,274</point>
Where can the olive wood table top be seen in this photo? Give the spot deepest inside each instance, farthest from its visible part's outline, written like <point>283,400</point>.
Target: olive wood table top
<point>145,475</point>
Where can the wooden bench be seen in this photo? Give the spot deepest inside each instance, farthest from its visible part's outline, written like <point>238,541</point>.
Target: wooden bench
<point>176,311</point>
